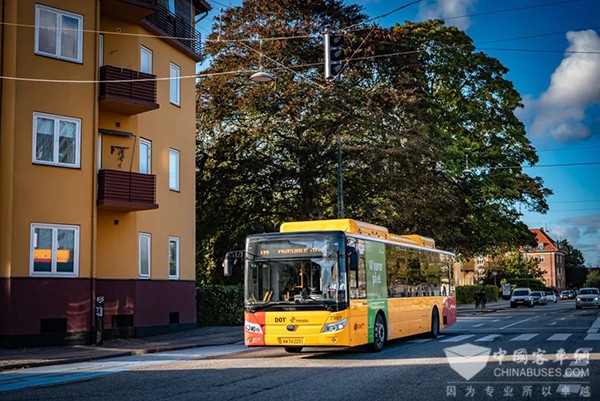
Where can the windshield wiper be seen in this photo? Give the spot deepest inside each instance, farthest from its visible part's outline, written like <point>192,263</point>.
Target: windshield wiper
<point>328,306</point>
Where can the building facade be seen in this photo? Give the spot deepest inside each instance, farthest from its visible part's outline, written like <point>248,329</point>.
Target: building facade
<point>97,168</point>
<point>551,259</point>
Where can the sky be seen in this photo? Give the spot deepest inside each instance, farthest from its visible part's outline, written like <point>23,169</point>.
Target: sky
<point>552,51</point>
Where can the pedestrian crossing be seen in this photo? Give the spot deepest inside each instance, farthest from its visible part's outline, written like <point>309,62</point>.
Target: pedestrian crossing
<point>515,338</point>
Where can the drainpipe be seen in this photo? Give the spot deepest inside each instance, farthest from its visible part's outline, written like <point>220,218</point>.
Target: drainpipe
<point>94,170</point>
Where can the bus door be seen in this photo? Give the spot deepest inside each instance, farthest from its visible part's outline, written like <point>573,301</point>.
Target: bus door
<point>359,307</point>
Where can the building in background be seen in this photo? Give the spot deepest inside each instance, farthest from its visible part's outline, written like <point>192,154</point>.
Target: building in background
<point>97,168</point>
<point>551,259</point>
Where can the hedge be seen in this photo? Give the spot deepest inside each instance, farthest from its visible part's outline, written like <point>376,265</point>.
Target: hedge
<point>465,293</point>
<point>534,284</point>
<point>220,305</point>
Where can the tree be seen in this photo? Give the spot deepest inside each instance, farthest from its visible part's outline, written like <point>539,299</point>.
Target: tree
<point>267,153</point>
<point>510,265</point>
<point>593,279</point>
<point>575,271</point>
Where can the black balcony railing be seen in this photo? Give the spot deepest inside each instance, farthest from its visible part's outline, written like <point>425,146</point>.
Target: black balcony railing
<point>176,29</point>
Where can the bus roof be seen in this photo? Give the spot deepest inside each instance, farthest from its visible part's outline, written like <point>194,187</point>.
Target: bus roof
<point>356,227</point>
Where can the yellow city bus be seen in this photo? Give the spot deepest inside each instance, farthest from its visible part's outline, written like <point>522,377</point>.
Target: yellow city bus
<point>342,283</point>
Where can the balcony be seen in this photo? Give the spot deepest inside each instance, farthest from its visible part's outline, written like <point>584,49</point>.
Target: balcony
<point>127,192</point>
<point>128,10</point>
<point>126,91</point>
<point>175,30</point>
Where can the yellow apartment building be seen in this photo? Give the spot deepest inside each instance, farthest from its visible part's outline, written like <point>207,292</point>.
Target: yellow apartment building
<point>97,168</point>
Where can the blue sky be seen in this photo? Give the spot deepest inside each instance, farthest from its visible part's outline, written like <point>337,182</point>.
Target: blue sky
<point>552,49</point>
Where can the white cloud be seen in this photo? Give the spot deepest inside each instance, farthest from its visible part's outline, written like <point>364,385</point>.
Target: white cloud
<point>574,86</point>
<point>571,234</point>
<point>433,9</point>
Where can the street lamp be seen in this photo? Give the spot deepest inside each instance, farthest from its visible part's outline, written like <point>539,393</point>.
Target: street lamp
<point>261,76</point>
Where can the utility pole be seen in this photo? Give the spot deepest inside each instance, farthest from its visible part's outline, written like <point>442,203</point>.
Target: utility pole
<point>340,189</point>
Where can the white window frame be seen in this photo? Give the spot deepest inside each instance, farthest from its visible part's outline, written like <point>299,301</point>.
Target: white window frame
<point>55,150</point>
<point>148,143</point>
<point>53,271</point>
<point>148,237</point>
<point>176,275</point>
<point>145,50</point>
<point>174,181</point>
<point>541,258</point>
<point>175,84</point>
<point>59,14</point>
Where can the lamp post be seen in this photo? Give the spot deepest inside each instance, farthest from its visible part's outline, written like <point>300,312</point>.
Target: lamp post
<point>340,187</point>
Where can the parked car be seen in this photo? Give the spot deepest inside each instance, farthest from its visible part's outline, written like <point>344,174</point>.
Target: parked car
<point>567,294</point>
<point>588,297</point>
<point>539,297</point>
<point>551,296</point>
<point>521,296</point>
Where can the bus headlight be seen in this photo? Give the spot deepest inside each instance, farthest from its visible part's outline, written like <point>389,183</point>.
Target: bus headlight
<point>252,327</point>
<point>337,326</point>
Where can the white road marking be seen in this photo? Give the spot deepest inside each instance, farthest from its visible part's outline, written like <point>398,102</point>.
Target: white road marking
<point>552,324</point>
<point>478,325</point>
<point>559,337</point>
<point>491,337</point>
<point>524,337</point>
<point>595,327</point>
<point>593,337</point>
<point>458,338</point>
<point>514,324</point>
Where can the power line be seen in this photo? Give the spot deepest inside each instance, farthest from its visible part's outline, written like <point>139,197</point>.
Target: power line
<point>506,10</point>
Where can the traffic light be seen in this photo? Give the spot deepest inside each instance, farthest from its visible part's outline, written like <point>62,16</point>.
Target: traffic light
<point>333,55</point>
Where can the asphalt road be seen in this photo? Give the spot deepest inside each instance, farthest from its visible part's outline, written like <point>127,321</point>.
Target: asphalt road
<point>549,352</point>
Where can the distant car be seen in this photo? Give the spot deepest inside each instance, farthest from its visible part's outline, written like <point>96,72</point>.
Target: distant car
<point>588,297</point>
<point>521,297</point>
<point>539,297</point>
<point>551,296</point>
<point>567,294</point>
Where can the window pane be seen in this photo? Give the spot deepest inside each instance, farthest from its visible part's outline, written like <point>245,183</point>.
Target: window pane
<point>174,170</point>
<point>144,157</point>
<point>44,140</point>
<point>173,256</point>
<point>66,251</point>
<point>144,256</point>
<point>47,32</point>
<point>146,61</point>
<point>67,142</point>
<point>42,250</point>
<point>174,89</point>
<point>69,44</point>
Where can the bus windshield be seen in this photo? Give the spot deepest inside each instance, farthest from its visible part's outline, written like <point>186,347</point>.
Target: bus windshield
<point>303,271</point>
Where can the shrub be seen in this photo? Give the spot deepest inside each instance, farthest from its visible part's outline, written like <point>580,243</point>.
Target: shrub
<point>534,284</point>
<point>465,293</point>
<point>220,305</point>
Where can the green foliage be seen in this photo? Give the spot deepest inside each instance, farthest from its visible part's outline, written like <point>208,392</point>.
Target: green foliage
<point>267,153</point>
<point>593,279</point>
<point>220,305</point>
<point>524,282</point>
<point>465,294</point>
<point>510,265</point>
<point>575,271</point>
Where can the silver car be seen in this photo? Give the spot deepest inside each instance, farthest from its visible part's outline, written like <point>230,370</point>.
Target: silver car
<point>588,297</point>
<point>551,296</point>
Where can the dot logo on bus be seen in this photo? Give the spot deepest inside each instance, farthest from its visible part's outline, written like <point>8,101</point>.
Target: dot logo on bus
<point>279,320</point>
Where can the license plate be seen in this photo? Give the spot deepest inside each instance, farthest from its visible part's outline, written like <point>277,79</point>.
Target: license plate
<point>292,341</point>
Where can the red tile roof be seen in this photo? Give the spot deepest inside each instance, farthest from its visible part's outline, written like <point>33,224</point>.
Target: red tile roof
<point>543,238</point>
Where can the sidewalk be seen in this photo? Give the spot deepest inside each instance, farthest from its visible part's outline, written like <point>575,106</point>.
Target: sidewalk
<point>42,356</point>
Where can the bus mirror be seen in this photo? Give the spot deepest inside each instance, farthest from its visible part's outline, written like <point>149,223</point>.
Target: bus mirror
<point>228,264</point>
<point>352,258</point>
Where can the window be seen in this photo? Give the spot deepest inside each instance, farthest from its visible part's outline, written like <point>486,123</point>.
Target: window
<point>100,50</point>
<point>541,258</point>
<point>54,250</point>
<point>56,140</point>
<point>145,156</point>
<point>146,60</point>
<point>172,7</point>
<point>174,95</point>
<point>541,246</point>
<point>144,256</point>
<point>479,260</point>
<point>58,34</point>
<point>174,169</point>
<point>173,257</point>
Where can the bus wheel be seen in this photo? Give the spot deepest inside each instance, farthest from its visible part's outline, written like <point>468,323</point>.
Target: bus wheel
<point>435,324</point>
<point>293,350</point>
<point>379,334</point>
